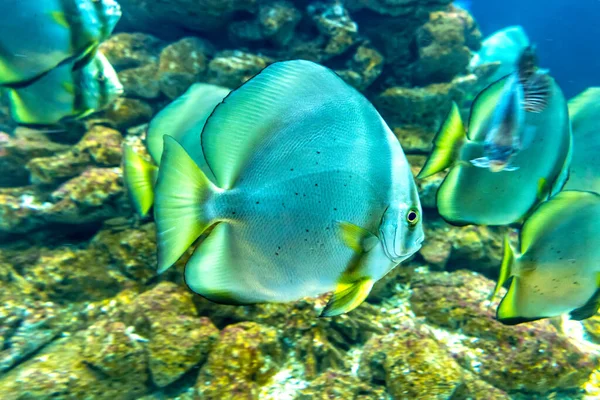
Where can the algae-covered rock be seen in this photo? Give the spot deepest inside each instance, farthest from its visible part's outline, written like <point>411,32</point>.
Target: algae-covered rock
<point>429,186</point>
<point>132,250</point>
<point>178,344</point>
<point>397,8</point>
<point>504,356</point>
<point>412,364</point>
<point>20,209</point>
<point>182,64</point>
<point>126,113</point>
<point>334,22</point>
<point>131,50</point>
<point>341,385</point>
<point>61,371</point>
<point>141,82</point>
<point>246,355</point>
<point>363,68</point>
<point>100,146</point>
<point>232,68</point>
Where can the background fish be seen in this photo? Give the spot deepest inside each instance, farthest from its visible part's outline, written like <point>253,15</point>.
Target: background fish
<point>66,93</point>
<point>557,270</point>
<point>472,195</point>
<point>36,36</point>
<point>504,47</point>
<point>183,119</point>
<point>584,110</point>
<point>292,212</point>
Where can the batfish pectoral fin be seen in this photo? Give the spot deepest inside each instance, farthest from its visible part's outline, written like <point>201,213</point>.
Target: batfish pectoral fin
<point>481,162</point>
<point>60,18</point>
<point>446,144</point>
<point>506,268</point>
<point>347,296</point>
<point>182,190</point>
<point>358,239</point>
<point>140,177</point>
<point>590,308</point>
<point>211,271</point>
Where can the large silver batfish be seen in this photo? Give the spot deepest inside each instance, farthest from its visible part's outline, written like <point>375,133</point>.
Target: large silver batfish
<point>312,193</point>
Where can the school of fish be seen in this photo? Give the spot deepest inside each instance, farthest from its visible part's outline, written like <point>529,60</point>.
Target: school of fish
<point>293,185</point>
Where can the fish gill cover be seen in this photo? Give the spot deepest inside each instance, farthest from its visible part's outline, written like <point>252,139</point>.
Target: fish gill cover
<point>84,313</point>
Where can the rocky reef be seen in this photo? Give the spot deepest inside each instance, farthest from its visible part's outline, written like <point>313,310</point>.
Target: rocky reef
<point>83,313</point>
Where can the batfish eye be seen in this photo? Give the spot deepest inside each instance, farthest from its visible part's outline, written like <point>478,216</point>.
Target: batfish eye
<point>412,217</point>
<point>101,77</point>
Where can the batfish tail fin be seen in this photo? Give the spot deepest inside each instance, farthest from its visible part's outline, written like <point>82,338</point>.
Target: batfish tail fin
<point>139,176</point>
<point>446,144</point>
<point>182,191</point>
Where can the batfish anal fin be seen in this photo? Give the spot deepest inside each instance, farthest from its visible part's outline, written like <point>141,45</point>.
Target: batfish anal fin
<point>590,308</point>
<point>139,176</point>
<point>347,296</point>
<point>506,271</point>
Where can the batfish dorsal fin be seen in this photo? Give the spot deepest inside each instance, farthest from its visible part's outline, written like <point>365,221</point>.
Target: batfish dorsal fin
<point>482,109</point>
<point>139,176</point>
<point>184,119</point>
<point>548,214</point>
<point>276,97</point>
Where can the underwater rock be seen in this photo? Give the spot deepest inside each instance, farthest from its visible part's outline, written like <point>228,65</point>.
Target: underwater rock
<point>131,50</point>
<point>112,348</point>
<point>68,275</point>
<point>363,68</point>
<point>232,68</point>
<point>246,355</point>
<point>501,355</point>
<point>21,209</point>
<point>334,22</point>
<point>341,385</point>
<point>182,64</point>
<point>176,17</point>
<point>415,139</point>
<point>412,364</point>
<point>131,250</point>
<point>424,107</point>
<point>126,113</point>
<point>61,371</point>
<point>275,24</point>
<point>95,195</point>
<point>429,186</point>
<point>444,46</point>
<point>397,8</point>
<point>177,345</point>
<point>100,147</point>
<point>141,81</point>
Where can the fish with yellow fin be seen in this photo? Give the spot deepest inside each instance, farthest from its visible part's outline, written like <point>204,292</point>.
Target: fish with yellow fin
<point>515,154</point>
<point>556,271</point>
<point>37,36</point>
<point>311,193</point>
<point>584,110</point>
<point>183,120</point>
<point>67,92</point>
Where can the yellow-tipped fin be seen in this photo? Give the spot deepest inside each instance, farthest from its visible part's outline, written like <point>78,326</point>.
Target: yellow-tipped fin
<point>60,18</point>
<point>181,192</point>
<point>140,177</point>
<point>590,308</point>
<point>506,268</point>
<point>358,239</point>
<point>347,297</point>
<point>446,144</point>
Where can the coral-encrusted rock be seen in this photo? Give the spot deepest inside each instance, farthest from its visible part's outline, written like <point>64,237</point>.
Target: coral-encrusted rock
<point>182,64</point>
<point>443,46</point>
<point>275,24</point>
<point>232,68</point>
<point>412,364</point>
<point>141,81</point>
<point>60,371</point>
<point>363,68</point>
<point>341,385</point>
<point>127,113</point>
<point>112,349</point>
<point>397,8</point>
<point>20,209</point>
<point>66,275</point>
<point>131,50</point>
<point>415,139</point>
<point>131,250</point>
<point>246,355</point>
<point>100,146</point>
<point>177,344</point>
<point>426,107</point>
<point>93,196</point>
<point>427,187</point>
<point>503,356</point>
<point>335,24</point>
<point>178,16</point>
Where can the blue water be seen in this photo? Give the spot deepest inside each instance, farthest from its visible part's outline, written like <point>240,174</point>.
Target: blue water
<point>566,32</point>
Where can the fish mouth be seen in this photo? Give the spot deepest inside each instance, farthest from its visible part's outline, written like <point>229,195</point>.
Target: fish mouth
<point>398,258</point>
